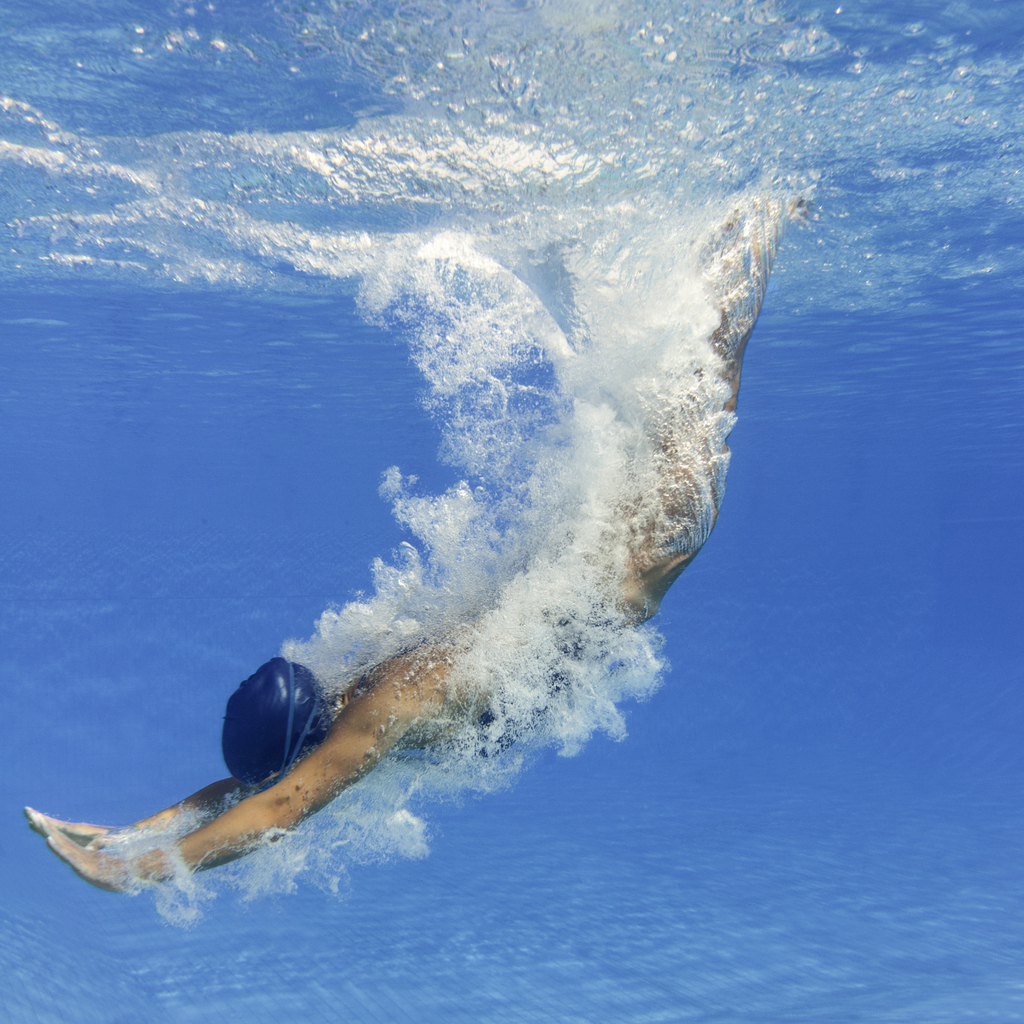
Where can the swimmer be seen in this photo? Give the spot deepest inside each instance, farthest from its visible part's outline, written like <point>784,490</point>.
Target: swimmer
<point>290,754</point>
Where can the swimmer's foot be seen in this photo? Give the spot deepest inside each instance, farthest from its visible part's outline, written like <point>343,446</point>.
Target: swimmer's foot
<point>737,259</point>
<point>82,833</point>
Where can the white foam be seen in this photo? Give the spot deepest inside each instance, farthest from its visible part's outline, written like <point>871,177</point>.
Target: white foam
<point>521,572</point>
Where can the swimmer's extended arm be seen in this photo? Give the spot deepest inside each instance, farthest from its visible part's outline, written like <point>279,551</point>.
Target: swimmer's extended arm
<point>205,804</point>
<point>208,800</point>
<point>401,691</point>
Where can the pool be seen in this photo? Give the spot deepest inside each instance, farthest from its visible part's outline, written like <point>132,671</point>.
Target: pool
<point>254,257</point>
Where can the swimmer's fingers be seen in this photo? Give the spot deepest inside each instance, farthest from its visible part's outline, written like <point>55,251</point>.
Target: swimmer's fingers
<point>37,822</point>
<point>103,870</point>
<point>79,832</point>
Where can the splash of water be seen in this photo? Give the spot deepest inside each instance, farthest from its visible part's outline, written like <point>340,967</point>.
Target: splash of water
<point>540,214</point>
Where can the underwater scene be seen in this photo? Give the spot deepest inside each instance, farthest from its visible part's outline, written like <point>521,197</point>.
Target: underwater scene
<point>395,347</point>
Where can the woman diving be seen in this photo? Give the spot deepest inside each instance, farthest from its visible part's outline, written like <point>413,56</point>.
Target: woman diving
<point>292,748</point>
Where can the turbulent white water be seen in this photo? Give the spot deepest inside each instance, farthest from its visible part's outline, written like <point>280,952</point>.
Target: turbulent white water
<point>533,194</point>
<point>910,130</point>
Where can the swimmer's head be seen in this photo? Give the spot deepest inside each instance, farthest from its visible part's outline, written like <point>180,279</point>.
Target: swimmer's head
<point>273,718</point>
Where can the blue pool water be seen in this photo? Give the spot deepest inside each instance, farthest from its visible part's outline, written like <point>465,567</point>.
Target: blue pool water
<point>234,294</point>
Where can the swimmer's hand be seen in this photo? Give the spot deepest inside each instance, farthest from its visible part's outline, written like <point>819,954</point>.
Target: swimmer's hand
<point>402,693</point>
<point>82,833</point>
<point>104,870</point>
<point>81,846</point>
<point>108,870</point>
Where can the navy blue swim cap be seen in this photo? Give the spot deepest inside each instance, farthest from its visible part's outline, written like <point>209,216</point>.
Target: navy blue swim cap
<point>271,720</point>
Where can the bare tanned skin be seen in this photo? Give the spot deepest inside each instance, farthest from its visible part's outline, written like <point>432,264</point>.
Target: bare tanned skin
<point>397,695</point>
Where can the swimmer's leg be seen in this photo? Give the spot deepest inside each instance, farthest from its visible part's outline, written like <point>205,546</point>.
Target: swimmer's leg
<point>738,260</point>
